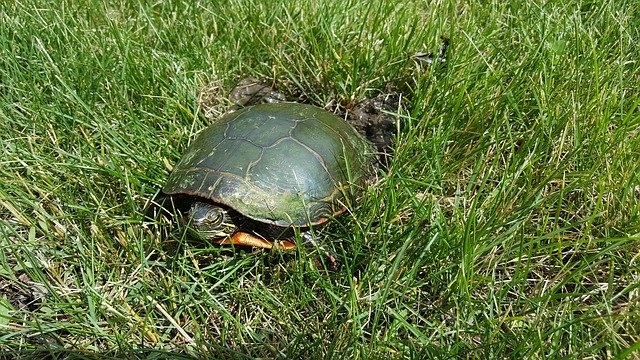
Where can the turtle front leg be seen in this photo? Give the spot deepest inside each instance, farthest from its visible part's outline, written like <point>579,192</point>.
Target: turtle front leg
<point>331,260</point>
<point>240,238</point>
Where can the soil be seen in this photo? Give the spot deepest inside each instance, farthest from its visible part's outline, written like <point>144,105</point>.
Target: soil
<point>22,293</point>
<point>251,91</point>
<point>374,118</point>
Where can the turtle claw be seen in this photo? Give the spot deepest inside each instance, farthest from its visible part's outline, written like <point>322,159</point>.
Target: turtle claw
<point>330,263</point>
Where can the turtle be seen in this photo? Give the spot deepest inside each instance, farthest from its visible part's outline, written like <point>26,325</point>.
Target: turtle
<point>260,174</point>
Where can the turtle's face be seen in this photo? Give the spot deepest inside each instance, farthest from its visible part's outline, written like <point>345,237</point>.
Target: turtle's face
<point>208,221</point>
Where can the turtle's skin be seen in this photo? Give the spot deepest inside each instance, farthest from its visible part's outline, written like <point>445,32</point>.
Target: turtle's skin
<point>261,171</point>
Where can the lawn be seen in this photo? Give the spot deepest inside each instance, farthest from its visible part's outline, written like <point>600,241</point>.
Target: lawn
<point>506,225</point>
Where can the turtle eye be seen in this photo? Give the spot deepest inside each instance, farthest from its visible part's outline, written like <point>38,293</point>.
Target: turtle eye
<point>208,221</point>
<point>213,217</point>
<point>203,214</point>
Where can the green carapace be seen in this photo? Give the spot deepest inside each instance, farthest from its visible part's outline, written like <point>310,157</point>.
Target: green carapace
<point>259,172</point>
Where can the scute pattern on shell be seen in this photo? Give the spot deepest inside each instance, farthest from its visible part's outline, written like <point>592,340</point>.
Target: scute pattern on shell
<point>286,164</point>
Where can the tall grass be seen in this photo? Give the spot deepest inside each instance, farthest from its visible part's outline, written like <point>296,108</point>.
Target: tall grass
<point>506,225</point>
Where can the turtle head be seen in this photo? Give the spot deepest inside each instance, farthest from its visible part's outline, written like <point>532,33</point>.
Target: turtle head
<point>209,221</point>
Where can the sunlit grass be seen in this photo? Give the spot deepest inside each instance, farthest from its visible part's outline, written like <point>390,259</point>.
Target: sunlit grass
<point>506,225</point>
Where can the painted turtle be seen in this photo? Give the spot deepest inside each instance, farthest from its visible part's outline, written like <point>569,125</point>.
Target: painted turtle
<point>260,172</point>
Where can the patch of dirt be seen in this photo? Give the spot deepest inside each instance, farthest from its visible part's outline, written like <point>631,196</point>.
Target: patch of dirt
<point>375,119</point>
<point>251,91</point>
<point>211,100</point>
<point>23,293</point>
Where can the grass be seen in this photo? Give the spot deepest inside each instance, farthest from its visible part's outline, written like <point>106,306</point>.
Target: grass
<point>507,224</point>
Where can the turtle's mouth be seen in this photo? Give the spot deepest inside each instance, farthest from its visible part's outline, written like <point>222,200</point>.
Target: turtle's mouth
<point>212,232</point>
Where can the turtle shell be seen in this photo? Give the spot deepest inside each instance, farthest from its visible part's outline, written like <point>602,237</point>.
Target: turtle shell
<point>285,164</point>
